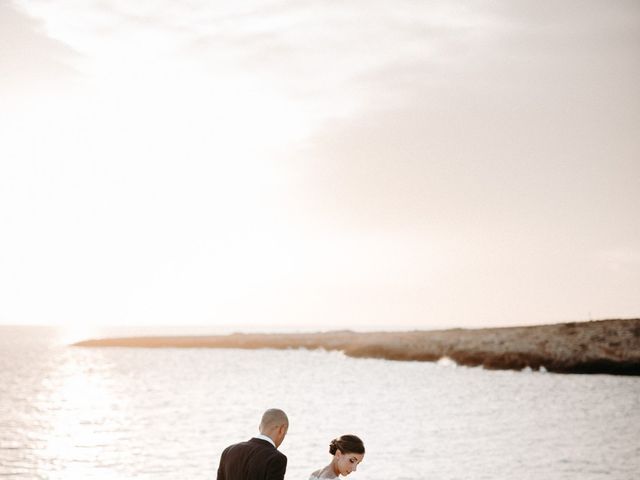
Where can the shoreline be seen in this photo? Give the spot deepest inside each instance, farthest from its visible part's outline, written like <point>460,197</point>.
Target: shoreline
<point>601,346</point>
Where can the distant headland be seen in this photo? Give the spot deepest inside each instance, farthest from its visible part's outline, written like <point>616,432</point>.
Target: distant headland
<point>603,346</point>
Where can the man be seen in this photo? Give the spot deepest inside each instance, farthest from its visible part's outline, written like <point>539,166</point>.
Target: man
<point>258,458</point>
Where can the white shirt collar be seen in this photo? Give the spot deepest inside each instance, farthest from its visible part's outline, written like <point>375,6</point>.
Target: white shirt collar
<point>268,439</point>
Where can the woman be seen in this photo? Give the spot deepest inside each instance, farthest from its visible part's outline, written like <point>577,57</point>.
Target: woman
<point>348,452</point>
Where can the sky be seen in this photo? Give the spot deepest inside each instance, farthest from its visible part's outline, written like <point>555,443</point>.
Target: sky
<point>304,165</point>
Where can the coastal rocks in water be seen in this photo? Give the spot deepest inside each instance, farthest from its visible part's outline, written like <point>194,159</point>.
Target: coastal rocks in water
<point>605,346</point>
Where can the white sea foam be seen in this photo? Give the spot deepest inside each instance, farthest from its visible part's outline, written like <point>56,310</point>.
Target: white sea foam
<point>446,362</point>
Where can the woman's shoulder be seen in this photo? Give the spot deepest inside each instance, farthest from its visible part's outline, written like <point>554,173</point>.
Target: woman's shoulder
<point>319,475</point>
<point>315,475</point>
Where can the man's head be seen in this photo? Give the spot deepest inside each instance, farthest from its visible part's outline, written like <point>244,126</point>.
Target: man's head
<point>274,424</point>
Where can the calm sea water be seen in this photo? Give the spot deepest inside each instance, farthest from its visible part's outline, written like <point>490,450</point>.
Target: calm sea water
<point>75,413</point>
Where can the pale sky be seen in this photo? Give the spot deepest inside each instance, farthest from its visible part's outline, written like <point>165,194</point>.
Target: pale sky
<point>319,165</point>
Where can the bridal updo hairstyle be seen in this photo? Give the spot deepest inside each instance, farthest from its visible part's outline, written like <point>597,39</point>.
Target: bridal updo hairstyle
<point>346,444</point>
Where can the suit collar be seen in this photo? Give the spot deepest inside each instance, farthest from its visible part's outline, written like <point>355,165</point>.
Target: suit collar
<point>264,438</point>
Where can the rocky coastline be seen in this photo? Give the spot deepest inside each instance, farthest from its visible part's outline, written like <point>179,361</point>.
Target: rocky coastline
<point>603,346</point>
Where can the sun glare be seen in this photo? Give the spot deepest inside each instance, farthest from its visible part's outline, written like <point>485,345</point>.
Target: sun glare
<point>76,427</point>
<point>71,334</point>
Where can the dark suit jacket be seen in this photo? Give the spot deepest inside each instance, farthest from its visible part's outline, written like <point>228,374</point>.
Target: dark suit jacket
<point>253,460</point>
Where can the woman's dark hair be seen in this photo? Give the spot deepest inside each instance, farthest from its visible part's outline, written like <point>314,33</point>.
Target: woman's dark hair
<point>346,444</point>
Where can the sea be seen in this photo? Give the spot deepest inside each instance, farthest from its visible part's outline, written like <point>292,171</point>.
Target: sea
<point>114,413</point>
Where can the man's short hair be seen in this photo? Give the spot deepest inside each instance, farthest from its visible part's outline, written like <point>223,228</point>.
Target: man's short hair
<point>274,417</point>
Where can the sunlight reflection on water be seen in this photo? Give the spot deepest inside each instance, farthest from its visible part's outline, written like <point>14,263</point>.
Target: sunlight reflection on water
<point>70,413</point>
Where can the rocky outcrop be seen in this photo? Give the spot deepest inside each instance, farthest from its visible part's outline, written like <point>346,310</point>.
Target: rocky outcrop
<point>605,346</point>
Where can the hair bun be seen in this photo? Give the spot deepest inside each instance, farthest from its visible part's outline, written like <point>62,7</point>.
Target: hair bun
<point>333,447</point>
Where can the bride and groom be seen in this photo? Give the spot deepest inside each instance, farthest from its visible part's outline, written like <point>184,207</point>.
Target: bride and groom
<point>259,458</point>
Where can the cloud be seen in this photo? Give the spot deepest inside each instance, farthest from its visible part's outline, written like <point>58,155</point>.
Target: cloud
<point>317,53</point>
<point>450,160</point>
<point>30,60</point>
<point>519,125</point>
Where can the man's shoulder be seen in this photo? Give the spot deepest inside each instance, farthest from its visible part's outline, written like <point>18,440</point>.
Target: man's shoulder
<point>254,443</point>
<point>244,444</point>
<point>266,447</point>
<point>235,446</point>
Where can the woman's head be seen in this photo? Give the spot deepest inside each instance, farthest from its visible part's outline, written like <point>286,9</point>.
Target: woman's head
<point>348,452</point>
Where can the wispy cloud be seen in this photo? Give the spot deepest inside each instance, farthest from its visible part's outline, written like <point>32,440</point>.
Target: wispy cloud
<point>303,48</point>
<point>30,60</point>
<point>272,158</point>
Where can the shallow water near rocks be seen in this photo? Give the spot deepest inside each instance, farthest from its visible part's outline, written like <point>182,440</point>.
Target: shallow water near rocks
<point>113,413</point>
